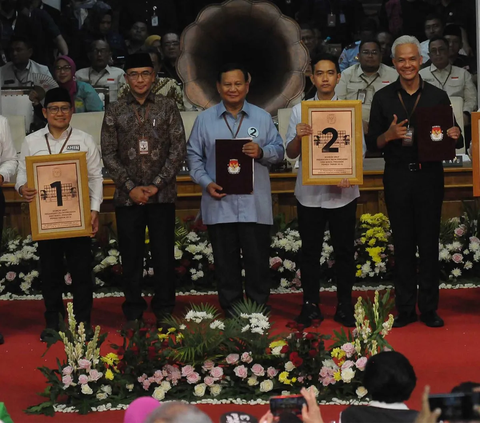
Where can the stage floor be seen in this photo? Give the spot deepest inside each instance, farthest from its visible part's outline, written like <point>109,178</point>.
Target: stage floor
<point>441,357</point>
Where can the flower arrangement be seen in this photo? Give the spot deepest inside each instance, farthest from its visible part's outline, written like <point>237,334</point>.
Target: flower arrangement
<point>202,357</point>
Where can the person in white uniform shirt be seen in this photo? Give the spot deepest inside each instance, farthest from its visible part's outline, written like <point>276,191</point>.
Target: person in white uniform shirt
<point>19,71</point>
<point>8,167</point>
<point>100,74</point>
<point>319,204</point>
<point>58,137</point>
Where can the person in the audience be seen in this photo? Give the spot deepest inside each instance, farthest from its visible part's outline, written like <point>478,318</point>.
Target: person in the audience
<point>349,56</point>
<point>170,48</point>
<point>453,34</point>
<point>385,39</point>
<point>137,35</point>
<point>139,409</point>
<point>389,379</point>
<point>433,28</point>
<point>311,42</point>
<point>100,73</point>
<point>58,137</point>
<point>363,80</point>
<point>177,412</point>
<point>18,72</point>
<point>153,41</point>
<point>455,81</point>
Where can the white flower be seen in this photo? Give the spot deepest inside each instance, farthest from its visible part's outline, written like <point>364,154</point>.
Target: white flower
<point>193,237</point>
<point>289,366</point>
<point>217,324</point>
<point>159,393</point>
<point>252,380</point>
<point>129,387</point>
<point>107,389</point>
<point>178,253</point>
<point>86,390</point>
<point>468,265</point>
<point>215,390</point>
<point>314,390</point>
<point>348,375</point>
<point>289,265</point>
<point>361,391</point>
<point>198,316</point>
<point>166,386</point>
<point>284,283</point>
<point>100,395</point>
<point>182,327</point>
<point>266,386</point>
<point>456,273</point>
<point>199,390</point>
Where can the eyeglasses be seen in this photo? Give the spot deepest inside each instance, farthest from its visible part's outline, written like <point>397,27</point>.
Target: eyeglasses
<point>438,50</point>
<point>63,68</point>
<point>100,50</point>
<point>369,52</point>
<point>135,75</point>
<point>55,109</point>
<point>171,43</point>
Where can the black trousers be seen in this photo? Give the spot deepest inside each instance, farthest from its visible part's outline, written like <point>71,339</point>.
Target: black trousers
<point>414,205</point>
<point>78,254</point>
<point>253,240</point>
<point>312,222</point>
<point>131,224</point>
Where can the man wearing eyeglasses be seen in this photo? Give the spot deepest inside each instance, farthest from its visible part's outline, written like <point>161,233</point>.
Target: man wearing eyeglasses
<point>363,80</point>
<point>143,146</point>
<point>58,137</point>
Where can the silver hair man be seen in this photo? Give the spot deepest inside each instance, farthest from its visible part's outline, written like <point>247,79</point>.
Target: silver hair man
<point>177,412</point>
<point>405,39</point>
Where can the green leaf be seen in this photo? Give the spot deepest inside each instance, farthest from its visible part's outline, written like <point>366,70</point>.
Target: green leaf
<point>45,408</point>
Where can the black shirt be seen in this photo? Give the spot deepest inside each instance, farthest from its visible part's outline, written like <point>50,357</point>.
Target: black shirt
<point>367,414</point>
<point>386,103</point>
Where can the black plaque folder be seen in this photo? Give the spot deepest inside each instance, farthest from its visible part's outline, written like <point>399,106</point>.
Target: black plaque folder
<point>234,169</point>
<point>432,124</point>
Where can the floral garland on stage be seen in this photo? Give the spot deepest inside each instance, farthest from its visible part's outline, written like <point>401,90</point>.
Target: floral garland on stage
<point>459,255</point>
<point>202,357</point>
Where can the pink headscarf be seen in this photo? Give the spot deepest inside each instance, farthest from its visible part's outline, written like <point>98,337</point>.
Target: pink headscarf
<point>140,409</point>
<point>71,85</point>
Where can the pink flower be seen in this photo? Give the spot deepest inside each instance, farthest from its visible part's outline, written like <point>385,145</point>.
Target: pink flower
<point>275,262</point>
<point>94,375</point>
<point>209,381</point>
<point>301,379</point>
<point>272,372</point>
<point>146,384</point>
<point>158,376</point>
<point>457,258</point>
<point>83,379</point>
<point>10,276</point>
<point>142,378</point>
<point>246,357</point>
<point>328,381</point>
<point>349,349</point>
<point>67,370</point>
<point>330,263</point>
<point>216,372</point>
<point>459,231</point>
<point>241,371</point>
<point>232,358</point>
<point>326,372</point>
<point>474,239</point>
<point>187,370</point>
<point>67,381</point>
<point>193,378</point>
<point>84,364</point>
<point>361,363</point>
<point>208,365</point>
<point>347,364</point>
<point>68,279</point>
<point>258,370</point>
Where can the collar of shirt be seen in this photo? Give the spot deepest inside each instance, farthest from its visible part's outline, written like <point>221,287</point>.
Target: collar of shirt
<point>27,68</point>
<point>389,406</point>
<point>94,72</point>
<point>62,137</point>
<point>221,108</point>
<point>398,86</point>
<point>359,72</point>
<point>334,98</point>
<point>447,68</point>
<point>150,98</point>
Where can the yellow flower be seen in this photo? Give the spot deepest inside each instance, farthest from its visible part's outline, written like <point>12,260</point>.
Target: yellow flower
<point>147,236</point>
<point>338,353</point>
<point>279,343</point>
<point>294,379</point>
<point>109,375</point>
<point>171,330</point>
<point>283,377</point>
<point>340,363</point>
<point>337,375</point>
<point>359,273</point>
<point>162,336</point>
<point>111,359</point>
<point>180,336</point>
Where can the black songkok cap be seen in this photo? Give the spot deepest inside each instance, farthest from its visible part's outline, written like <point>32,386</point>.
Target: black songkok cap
<point>452,29</point>
<point>138,60</point>
<point>57,95</point>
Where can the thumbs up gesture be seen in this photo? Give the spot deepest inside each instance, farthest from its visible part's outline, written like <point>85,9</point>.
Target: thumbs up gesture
<point>397,130</point>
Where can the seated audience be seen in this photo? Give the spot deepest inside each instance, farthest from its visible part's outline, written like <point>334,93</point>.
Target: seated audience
<point>100,74</point>
<point>349,56</point>
<point>363,80</point>
<point>137,35</point>
<point>385,39</point>
<point>153,41</point>
<point>311,42</point>
<point>139,409</point>
<point>18,72</point>
<point>453,34</point>
<point>390,380</point>
<point>433,28</point>
<point>170,48</point>
<point>177,412</point>
<point>457,82</point>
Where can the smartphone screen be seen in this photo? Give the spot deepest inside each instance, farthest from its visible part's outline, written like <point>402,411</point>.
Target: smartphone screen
<point>287,404</point>
<point>457,406</point>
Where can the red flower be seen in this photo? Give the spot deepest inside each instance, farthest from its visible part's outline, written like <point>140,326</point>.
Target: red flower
<point>134,350</point>
<point>143,330</point>
<point>129,333</point>
<point>316,323</point>
<point>309,336</point>
<point>312,353</point>
<point>300,327</point>
<point>292,325</point>
<point>185,262</point>
<point>315,344</point>
<point>276,265</point>
<point>121,351</point>
<point>293,355</point>
<point>284,349</point>
<point>190,218</point>
<point>297,362</point>
<point>268,351</point>
<point>117,269</point>
<point>151,353</point>
<point>299,335</point>
<point>121,366</point>
<point>181,270</point>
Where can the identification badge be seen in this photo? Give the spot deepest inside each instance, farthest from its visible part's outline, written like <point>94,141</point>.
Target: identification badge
<point>143,146</point>
<point>342,19</point>
<point>362,95</point>
<point>408,138</point>
<point>331,20</point>
<point>154,20</point>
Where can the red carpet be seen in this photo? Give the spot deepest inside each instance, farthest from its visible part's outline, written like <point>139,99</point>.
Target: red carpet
<point>441,357</point>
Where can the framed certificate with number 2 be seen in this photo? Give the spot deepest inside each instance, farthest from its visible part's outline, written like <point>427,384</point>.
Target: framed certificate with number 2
<point>61,208</point>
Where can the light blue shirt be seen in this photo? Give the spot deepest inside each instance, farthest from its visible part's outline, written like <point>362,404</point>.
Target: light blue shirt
<point>325,196</point>
<point>210,126</point>
<point>349,56</point>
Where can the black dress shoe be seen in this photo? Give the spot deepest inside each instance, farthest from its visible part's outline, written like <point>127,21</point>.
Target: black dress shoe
<point>310,311</point>
<point>432,319</point>
<point>345,317</point>
<point>48,335</point>
<point>1,339</point>
<point>404,319</point>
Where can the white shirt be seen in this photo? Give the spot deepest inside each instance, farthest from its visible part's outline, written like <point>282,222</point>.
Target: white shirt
<point>326,196</point>
<point>8,155</point>
<point>110,77</point>
<point>12,77</point>
<point>35,145</point>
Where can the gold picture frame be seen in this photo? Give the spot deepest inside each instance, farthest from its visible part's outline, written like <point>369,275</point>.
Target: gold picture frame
<point>334,151</point>
<point>61,208</point>
<point>475,119</point>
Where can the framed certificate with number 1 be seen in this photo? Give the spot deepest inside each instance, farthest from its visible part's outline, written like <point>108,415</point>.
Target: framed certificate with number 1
<point>61,208</point>
<point>334,151</point>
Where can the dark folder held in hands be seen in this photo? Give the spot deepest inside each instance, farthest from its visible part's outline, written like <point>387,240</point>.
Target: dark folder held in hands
<point>234,169</point>
<point>431,130</point>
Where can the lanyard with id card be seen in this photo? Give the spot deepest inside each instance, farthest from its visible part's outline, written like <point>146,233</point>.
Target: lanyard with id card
<point>143,144</point>
<point>407,140</point>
